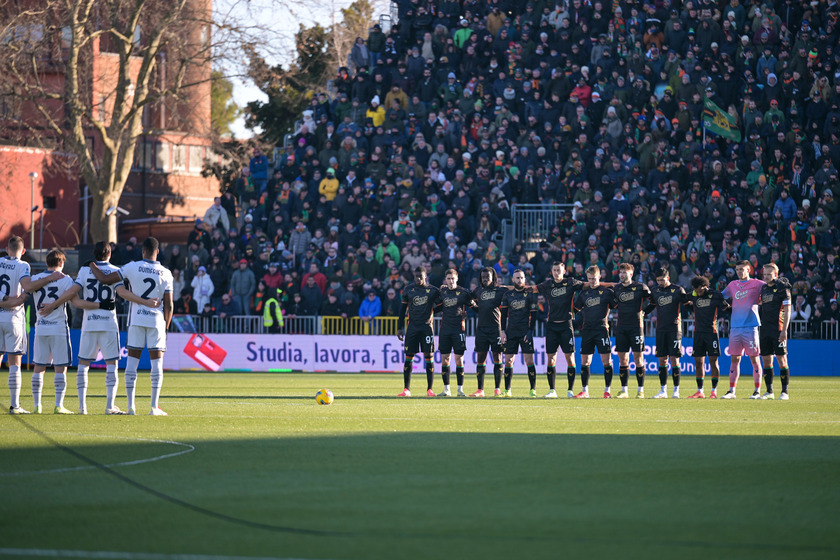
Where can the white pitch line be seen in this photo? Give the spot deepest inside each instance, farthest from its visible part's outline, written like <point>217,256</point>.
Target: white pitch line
<point>189,449</point>
<point>115,555</point>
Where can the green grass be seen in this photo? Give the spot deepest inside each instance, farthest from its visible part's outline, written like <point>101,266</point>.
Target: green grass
<point>273,474</point>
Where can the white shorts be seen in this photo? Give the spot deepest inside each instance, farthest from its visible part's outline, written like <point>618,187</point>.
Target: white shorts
<point>13,339</point>
<point>146,337</point>
<point>53,349</point>
<point>93,342</point>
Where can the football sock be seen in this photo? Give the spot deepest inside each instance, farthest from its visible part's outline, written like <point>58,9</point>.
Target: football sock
<point>157,380</point>
<point>37,387</point>
<point>570,377</point>
<point>459,375</point>
<point>407,365</point>
<point>675,373</point>
<point>768,379</point>
<point>663,375</point>
<point>480,372</point>
<point>584,377</point>
<point>60,381</point>
<point>640,375</point>
<point>623,375</point>
<point>551,374</point>
<point>131,365</point>
<point>715,382</point>
<point>444,373</point>
<point>82,385</point>
<point>532,376</point>
<point>112,382</point>
<point>430,374</point>
<point>784,373</point>
<point>508,377</point>
<point>734,374</point>
<point>608,375</point>
<point>497,374</point>
<point>699,381</point>
<point>757,377</point>
<point>14,385</point>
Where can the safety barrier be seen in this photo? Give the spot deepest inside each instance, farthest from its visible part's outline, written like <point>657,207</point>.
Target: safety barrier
<point>387,326</point>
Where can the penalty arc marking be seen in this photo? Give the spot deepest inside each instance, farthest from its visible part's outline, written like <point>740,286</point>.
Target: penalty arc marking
<point>188,448</point>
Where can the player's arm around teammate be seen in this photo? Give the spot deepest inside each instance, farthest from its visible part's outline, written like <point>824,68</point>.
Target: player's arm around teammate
<point>519,311</point>
<point>775,320</point>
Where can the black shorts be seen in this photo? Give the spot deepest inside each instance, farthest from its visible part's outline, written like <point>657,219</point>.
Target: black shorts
<point>769,345</point>
<point>706,344</point>
<point>630,339</point>
<point>452,342</point>
<point>559,335</point>
<point>419,339</point>
<point>513,345</point>
<point>668,343</point>
<point>488,341</point>
<point>595,340</point>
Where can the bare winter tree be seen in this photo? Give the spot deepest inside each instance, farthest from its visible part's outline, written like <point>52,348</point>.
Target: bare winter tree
<point>85,76</point>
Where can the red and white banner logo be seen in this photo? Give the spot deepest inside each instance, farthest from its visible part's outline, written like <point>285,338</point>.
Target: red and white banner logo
<point>204,351</point>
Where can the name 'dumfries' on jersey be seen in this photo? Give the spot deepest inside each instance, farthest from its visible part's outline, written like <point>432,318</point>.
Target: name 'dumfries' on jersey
<point>147,270</point>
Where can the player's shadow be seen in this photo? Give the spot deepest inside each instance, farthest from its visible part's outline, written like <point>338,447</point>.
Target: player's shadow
<point>420,494</point>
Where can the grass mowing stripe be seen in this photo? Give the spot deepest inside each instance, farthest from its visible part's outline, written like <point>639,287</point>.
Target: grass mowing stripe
<point>114,555</point>
<point>173,499</point>
<point>472,480</point>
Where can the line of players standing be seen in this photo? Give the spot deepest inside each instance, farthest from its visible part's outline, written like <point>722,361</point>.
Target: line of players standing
<point>507,315</point>
<point>146,284</point>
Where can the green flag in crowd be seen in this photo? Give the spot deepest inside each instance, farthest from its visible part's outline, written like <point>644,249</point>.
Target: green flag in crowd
<point>720,122</point>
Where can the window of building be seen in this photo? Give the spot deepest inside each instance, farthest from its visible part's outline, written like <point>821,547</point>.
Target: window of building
<point>196,159</point>
<point>162,156</point>
<point>179,158</point>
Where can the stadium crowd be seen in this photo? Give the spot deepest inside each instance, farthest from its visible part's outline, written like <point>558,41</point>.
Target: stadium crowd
<point>463,109</point>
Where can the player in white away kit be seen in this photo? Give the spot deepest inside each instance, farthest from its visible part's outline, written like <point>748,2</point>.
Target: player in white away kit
<point>14,283</point>
<point>52,335</point>
<point>100,330</point>
<point>146,326</point>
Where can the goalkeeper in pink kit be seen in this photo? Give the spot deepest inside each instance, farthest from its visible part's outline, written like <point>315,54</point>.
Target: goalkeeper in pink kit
<point>745,293</point>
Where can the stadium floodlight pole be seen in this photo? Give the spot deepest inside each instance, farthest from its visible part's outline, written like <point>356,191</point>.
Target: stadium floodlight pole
<point>32,177</point>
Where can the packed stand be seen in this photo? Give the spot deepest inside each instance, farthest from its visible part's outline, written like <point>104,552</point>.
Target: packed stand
<point>464,109</point>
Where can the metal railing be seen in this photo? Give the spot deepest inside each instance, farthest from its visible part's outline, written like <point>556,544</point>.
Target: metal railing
<point>387,326</point>
<point>532,223</point>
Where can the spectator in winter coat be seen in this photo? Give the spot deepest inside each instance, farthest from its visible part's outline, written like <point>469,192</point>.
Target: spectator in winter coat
<point>202,287</point>
<point>243,284</point>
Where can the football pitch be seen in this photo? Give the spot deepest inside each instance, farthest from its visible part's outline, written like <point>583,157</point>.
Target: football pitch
<point>250,466</point>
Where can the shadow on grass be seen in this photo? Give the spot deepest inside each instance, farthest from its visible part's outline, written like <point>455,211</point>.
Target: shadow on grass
<point>524,494</point>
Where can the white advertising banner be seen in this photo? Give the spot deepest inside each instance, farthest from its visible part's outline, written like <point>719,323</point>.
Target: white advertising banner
<point>274,352</point>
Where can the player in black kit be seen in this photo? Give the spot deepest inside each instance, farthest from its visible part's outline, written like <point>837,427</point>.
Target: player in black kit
<point>595,303</point>
<point>708,305</point>
<point>667,299</point>
<point>560,292</point>
<point>453,339</point>
<point>774,312</point>
<point>519,314</point>
<point>488,331</point>
<point>418,301</point>
<point>630,299</point>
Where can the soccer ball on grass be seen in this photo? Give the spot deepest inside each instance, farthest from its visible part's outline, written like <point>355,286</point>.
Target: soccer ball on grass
<point>324,396</point>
